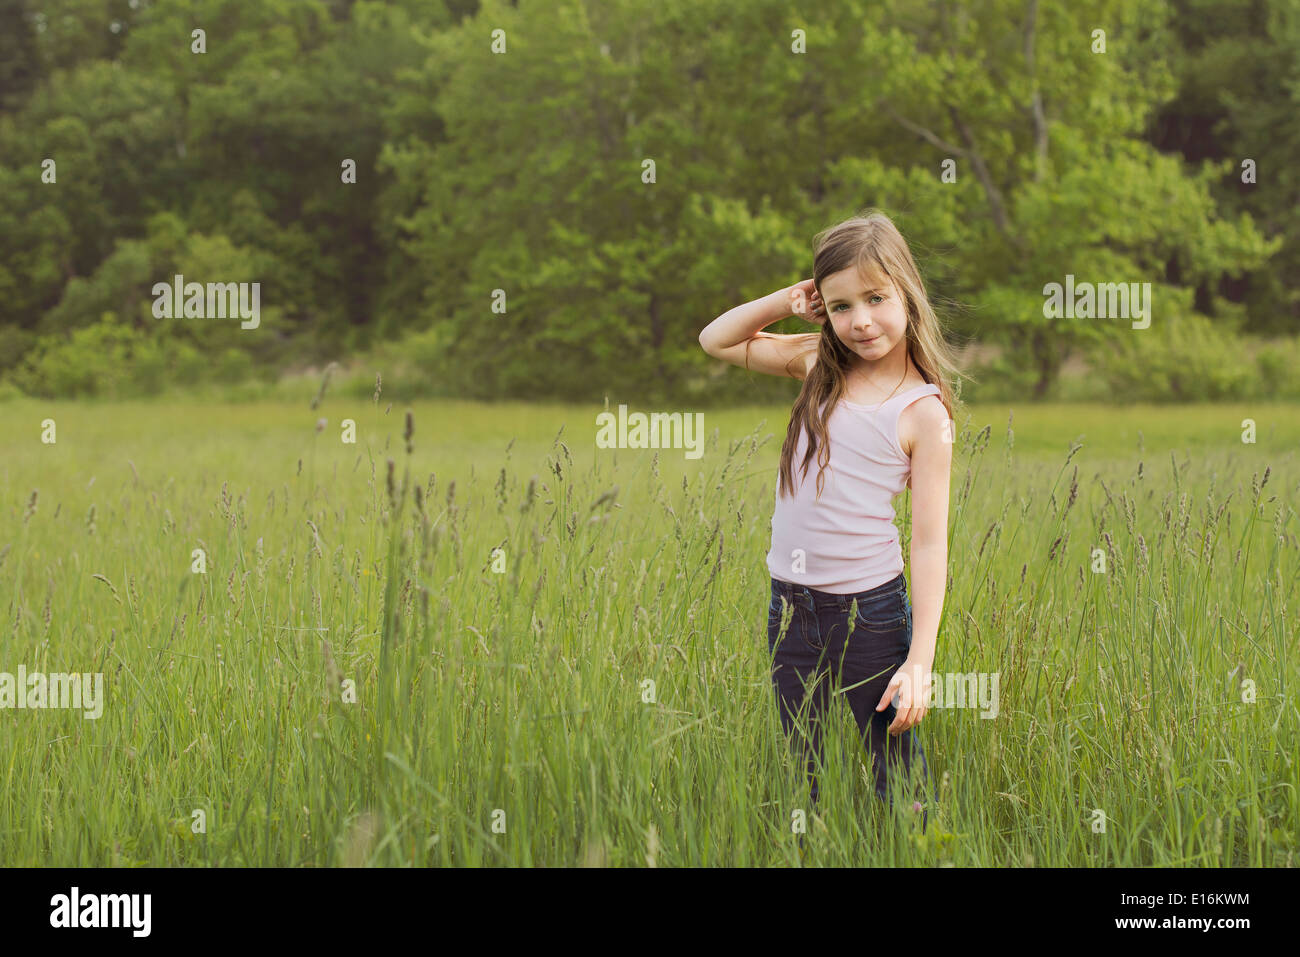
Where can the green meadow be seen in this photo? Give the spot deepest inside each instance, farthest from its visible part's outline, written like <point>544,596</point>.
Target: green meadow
<point>511,647</point>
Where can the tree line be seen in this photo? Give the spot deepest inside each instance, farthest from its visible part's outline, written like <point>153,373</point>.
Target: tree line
<point>550,199</point>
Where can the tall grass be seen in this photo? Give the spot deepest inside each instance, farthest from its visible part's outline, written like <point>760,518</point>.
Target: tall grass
<point>502,710</point>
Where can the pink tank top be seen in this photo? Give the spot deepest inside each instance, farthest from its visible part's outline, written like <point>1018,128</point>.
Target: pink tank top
<point>846,541</point>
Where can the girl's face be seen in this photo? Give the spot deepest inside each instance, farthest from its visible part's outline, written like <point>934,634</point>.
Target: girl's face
<point>869,317</point>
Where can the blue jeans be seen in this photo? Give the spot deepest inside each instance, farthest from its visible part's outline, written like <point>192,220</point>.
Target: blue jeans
<point>816,656</point>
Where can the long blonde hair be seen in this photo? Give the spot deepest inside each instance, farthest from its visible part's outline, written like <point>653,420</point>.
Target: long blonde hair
<point>873,244</point>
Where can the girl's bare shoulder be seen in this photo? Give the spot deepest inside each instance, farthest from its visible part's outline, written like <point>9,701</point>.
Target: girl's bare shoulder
<point>926,416</point>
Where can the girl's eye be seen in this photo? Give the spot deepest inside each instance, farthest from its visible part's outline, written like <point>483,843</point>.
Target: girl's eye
<point>872,300</point>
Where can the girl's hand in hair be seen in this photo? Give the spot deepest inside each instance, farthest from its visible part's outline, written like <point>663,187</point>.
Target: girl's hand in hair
<point>806,302</point>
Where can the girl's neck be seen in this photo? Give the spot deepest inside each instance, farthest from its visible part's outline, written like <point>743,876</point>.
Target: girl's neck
<point>883,374</point>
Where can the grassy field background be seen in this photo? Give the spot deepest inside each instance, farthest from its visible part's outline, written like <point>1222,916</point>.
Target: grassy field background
<point>501,714</point>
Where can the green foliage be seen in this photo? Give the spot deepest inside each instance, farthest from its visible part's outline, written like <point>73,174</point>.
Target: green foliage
<point>522,172</point>
<point>1238,68</point>
<point>1003,378</point>
<point>1187,359</point>
<point>109,359</point>
<point>1277,362</point>
<point>415,366</point>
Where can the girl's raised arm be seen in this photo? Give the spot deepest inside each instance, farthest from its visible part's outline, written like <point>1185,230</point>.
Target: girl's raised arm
<point>736,336</point>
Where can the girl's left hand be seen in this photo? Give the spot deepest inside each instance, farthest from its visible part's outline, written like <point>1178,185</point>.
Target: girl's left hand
<point>911,683</point>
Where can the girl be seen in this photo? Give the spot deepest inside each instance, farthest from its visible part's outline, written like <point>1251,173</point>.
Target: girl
<point>875,408</point>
